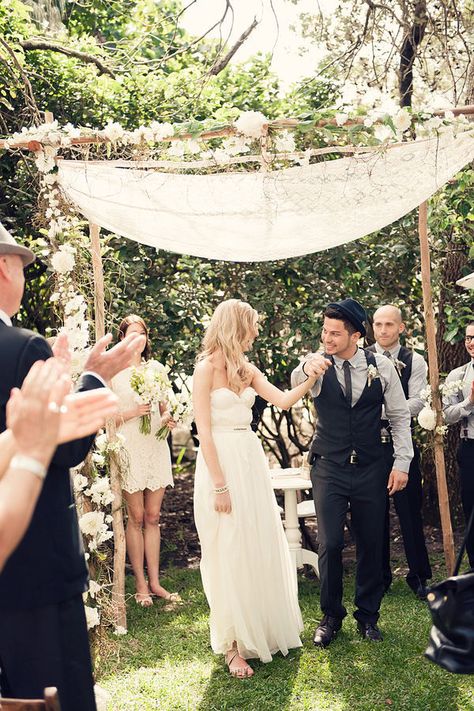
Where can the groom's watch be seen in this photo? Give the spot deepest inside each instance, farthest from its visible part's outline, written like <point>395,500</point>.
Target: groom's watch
<point>28,464</point>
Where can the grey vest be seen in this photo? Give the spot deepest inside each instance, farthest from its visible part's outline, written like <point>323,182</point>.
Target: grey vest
<point>406,356</point>
<point>342,429</point>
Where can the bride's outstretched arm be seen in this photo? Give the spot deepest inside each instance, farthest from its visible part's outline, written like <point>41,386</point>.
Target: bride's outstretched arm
<point>284,399</point>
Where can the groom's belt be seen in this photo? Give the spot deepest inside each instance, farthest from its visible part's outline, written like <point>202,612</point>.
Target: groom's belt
<point>230,428</point>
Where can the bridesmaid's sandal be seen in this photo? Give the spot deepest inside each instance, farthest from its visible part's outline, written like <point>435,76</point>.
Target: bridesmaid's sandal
<point>143,599</point>
<point>238,672</point>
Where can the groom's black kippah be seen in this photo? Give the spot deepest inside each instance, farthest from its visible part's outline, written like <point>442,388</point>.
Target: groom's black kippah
<point>353,312</point>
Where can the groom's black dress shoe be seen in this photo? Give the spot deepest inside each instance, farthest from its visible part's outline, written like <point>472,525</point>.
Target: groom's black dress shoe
<point>369,631</point>
<point>326,631</point>
<point>420,590</point>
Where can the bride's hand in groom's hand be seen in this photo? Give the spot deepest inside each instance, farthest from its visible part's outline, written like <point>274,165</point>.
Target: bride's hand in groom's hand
<point>315,366</point>
<point>222,502</point>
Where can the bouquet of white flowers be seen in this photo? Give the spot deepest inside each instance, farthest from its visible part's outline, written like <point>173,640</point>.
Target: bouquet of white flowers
<point>181,410</point>
<point>151,385</point>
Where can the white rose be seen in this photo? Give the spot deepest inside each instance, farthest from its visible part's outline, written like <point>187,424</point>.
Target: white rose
<point>101,442</point>
<point>94,588</point>
<point>80,482</point>
<point>402,120</point>
<point>92,616</point>
<point>113,131</point>
<point>63,261</point>
<point>251,123</point>
<point>382,132</point>
<point>341,118</point>
<point>427,418</point>
<point>92,523</point>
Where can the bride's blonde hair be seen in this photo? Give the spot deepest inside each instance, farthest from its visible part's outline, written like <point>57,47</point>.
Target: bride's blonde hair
<point>231,325</point>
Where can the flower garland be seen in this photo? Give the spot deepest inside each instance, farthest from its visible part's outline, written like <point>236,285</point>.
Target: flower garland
<point>427,417</point>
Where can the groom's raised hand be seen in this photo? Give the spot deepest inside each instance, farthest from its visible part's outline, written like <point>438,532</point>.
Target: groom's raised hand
<point>316,365</point>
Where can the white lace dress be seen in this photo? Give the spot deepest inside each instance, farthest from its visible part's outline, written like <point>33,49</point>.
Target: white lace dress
<point>147,462</point>
<point>247,574</point>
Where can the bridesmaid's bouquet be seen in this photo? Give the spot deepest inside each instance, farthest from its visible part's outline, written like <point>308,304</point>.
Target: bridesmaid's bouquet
<point>181,410</point>
<point>151,384</point>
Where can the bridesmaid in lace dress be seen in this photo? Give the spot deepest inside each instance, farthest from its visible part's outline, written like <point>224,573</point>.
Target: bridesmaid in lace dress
<point>246,569</point>
<point>147,473</point>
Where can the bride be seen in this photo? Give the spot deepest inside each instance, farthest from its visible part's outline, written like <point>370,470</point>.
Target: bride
<point>247,574</point>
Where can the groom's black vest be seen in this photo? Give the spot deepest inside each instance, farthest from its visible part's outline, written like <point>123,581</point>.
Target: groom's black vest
<point>406,357</point>
<point>342,429</point>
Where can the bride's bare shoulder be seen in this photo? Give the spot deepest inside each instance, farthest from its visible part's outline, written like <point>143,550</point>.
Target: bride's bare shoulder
<point>205,367</point>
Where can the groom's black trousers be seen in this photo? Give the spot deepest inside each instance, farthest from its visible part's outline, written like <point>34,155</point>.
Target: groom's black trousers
<point>335,487</point>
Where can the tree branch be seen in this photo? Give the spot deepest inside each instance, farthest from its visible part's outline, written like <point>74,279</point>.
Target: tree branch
<point>34,44</point>
<point>219,66</point>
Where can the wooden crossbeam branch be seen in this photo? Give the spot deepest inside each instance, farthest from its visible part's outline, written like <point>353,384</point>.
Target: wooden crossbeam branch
<point>278,125</point>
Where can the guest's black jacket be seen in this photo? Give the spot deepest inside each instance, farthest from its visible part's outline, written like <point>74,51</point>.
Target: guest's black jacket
<point>48,566</point>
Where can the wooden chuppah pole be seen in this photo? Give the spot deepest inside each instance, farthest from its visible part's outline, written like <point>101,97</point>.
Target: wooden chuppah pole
<point>119,611</point>
<point>443,499</point>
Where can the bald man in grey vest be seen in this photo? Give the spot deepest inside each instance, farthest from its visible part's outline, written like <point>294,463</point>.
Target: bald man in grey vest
<point>412,370</point>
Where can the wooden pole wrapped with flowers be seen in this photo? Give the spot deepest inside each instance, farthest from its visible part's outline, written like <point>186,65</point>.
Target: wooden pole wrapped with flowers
<point>118,607</point>
<point>430,329</point>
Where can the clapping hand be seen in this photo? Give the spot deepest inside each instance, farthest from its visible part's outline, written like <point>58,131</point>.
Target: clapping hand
<point>85,413</point>
<point>34,412</point>
<point>62,352</point>
<point>108,363</point>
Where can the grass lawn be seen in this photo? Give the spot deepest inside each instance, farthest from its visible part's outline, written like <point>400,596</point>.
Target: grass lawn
<point>165,662</point>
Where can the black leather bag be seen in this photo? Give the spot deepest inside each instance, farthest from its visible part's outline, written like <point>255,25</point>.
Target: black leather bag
<point>451,604</point>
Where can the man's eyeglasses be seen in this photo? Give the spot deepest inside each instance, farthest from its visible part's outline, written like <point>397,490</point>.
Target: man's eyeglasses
<point>468,339</point>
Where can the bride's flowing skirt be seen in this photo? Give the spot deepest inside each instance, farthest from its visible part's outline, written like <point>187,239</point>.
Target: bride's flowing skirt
<point>247,573</point>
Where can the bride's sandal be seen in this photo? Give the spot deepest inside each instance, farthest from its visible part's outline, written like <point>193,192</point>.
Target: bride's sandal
<point>238,672</point>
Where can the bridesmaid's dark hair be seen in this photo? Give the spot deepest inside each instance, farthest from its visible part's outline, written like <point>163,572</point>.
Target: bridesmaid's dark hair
<point>126,322</point>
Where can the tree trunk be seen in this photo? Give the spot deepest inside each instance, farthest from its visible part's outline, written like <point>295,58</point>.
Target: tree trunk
<point>411,41</point>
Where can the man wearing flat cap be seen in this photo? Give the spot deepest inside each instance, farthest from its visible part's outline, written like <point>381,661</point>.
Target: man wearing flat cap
<point>43,631</point>
<point>348,465</point>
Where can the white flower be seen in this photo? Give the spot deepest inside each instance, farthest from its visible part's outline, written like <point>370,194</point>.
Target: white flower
<point>80,482</point>
<point>101,442</point>
<point>441,430</point>
<point>120,630</point>
<point>285,142</point>
<point>100,491</point>
<point>176,150</point>
<point>192,147</point>
<point>220,156</point>
<point>372,374</point>
<point>427,418</point>
<point>92,616</point>
<point>45,162</point>
<point>113,131</point>
<point>98,459</point>
<point>91,522</point>
<point>63,260</point>
<point>94,588</point>
<point>233,146</point>
<point>251,123</point>
<point>426,394</point>
<point>161,130</point>
<point>382,132</point>
<point>402,120</point>
<point>341,118</point>
<point>452,388</point>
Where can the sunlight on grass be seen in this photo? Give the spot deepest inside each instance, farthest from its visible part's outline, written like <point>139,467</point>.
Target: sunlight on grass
<point>165,662</point>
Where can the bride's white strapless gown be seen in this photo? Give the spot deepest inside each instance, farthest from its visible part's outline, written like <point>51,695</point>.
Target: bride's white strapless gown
<point>247,573</point>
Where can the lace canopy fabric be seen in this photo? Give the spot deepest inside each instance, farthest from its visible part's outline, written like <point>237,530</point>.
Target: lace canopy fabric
<point>262,216</point>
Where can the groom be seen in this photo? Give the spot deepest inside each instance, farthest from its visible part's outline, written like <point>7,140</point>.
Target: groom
<point>347,458</point>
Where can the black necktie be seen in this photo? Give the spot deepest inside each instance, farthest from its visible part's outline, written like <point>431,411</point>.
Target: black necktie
<point>348,382</point>
<point>387,354</point>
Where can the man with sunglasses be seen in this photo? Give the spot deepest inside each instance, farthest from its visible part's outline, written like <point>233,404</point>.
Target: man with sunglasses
<point>459,407</point>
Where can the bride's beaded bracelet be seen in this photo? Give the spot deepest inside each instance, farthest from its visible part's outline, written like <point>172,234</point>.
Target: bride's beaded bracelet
<point>221,489</point>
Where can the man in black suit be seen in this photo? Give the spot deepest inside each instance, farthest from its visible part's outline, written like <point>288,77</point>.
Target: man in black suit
<point>43,631</point>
